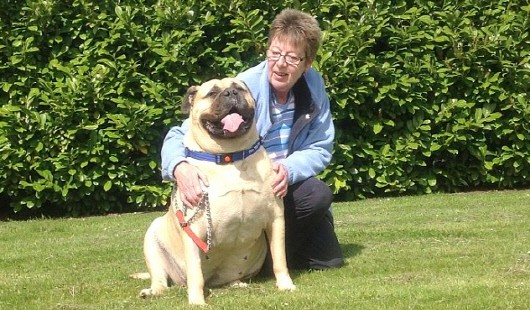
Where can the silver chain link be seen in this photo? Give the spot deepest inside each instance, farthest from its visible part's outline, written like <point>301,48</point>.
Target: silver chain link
<point>206,200</point>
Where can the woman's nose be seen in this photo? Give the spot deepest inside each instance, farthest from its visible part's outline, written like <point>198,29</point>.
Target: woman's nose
<point>281,61</point>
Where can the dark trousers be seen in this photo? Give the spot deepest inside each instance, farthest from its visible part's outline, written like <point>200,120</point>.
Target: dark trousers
<point>310,239</point>
<point>311,242</point>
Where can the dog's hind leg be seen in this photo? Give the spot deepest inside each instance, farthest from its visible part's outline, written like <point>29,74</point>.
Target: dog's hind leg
<point>164,272</point>
<point>158,287</point>
<point>159,280</point>
<point>156,261</point>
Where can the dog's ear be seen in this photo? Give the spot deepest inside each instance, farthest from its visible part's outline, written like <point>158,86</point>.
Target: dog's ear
<point>187,101</point>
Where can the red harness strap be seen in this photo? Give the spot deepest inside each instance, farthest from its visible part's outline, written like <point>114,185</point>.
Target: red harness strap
<point>185,225</point>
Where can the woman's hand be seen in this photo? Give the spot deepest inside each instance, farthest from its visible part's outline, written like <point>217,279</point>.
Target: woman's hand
<point>190,182</point>
<point>281,180</point>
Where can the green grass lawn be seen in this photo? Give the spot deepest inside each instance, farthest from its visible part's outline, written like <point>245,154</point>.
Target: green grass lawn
<point>458,251</point>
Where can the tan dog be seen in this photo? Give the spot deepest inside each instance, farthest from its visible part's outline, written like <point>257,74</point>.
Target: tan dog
<point>239,209</point>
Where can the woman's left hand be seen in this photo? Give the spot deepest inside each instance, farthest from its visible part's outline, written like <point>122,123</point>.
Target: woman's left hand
<point>281,180</point>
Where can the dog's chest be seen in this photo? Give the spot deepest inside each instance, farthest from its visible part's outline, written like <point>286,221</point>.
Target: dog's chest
<point>240,210</point>
<point>237,179</point>
<point>240,198</point>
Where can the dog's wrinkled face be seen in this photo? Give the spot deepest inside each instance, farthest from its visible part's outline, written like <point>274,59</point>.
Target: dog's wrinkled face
<point>222,108</point>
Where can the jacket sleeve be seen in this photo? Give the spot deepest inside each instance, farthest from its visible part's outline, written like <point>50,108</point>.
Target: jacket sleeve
<point>173,150</point>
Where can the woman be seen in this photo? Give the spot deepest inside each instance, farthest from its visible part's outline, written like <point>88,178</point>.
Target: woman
<point>293,117</point>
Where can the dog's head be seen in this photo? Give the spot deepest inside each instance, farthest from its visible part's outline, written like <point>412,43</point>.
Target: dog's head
<point>221,114</point>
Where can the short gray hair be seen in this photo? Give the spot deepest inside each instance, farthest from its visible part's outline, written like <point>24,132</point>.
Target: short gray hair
<point>297,27</point>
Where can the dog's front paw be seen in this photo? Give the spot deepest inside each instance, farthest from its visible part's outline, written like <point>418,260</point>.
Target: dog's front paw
<point>196,296</point>
<point>285,284</point>
<point>286,287</point>
<point>197,300</point>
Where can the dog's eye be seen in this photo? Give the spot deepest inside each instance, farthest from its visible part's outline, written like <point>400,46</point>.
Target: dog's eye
<point>214,91</point>
<point>239,87</point>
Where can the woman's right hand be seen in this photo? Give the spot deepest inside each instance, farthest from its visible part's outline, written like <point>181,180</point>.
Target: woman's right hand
<point>190,182</point>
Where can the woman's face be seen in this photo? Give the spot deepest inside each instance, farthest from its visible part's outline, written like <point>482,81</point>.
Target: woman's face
<point>282,75</point>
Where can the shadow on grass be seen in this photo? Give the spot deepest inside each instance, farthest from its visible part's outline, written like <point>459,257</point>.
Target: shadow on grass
<point>351,249</point>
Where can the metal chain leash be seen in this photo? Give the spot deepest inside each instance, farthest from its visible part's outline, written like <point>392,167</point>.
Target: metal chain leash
<point>204,204</point>
<point>205,200</point>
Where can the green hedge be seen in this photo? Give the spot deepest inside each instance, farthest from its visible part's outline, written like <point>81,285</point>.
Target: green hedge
<point>426,98</point>
<point>431,98</point>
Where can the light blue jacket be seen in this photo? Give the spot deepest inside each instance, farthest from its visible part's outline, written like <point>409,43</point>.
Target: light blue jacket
<point>312,134</point>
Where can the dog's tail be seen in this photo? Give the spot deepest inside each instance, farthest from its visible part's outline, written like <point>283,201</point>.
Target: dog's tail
<point>141,275</point>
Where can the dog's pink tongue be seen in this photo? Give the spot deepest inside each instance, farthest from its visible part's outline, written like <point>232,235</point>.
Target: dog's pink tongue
<point>232,121</point>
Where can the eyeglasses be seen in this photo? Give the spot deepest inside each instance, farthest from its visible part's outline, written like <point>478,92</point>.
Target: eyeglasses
<point>290,59</point>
